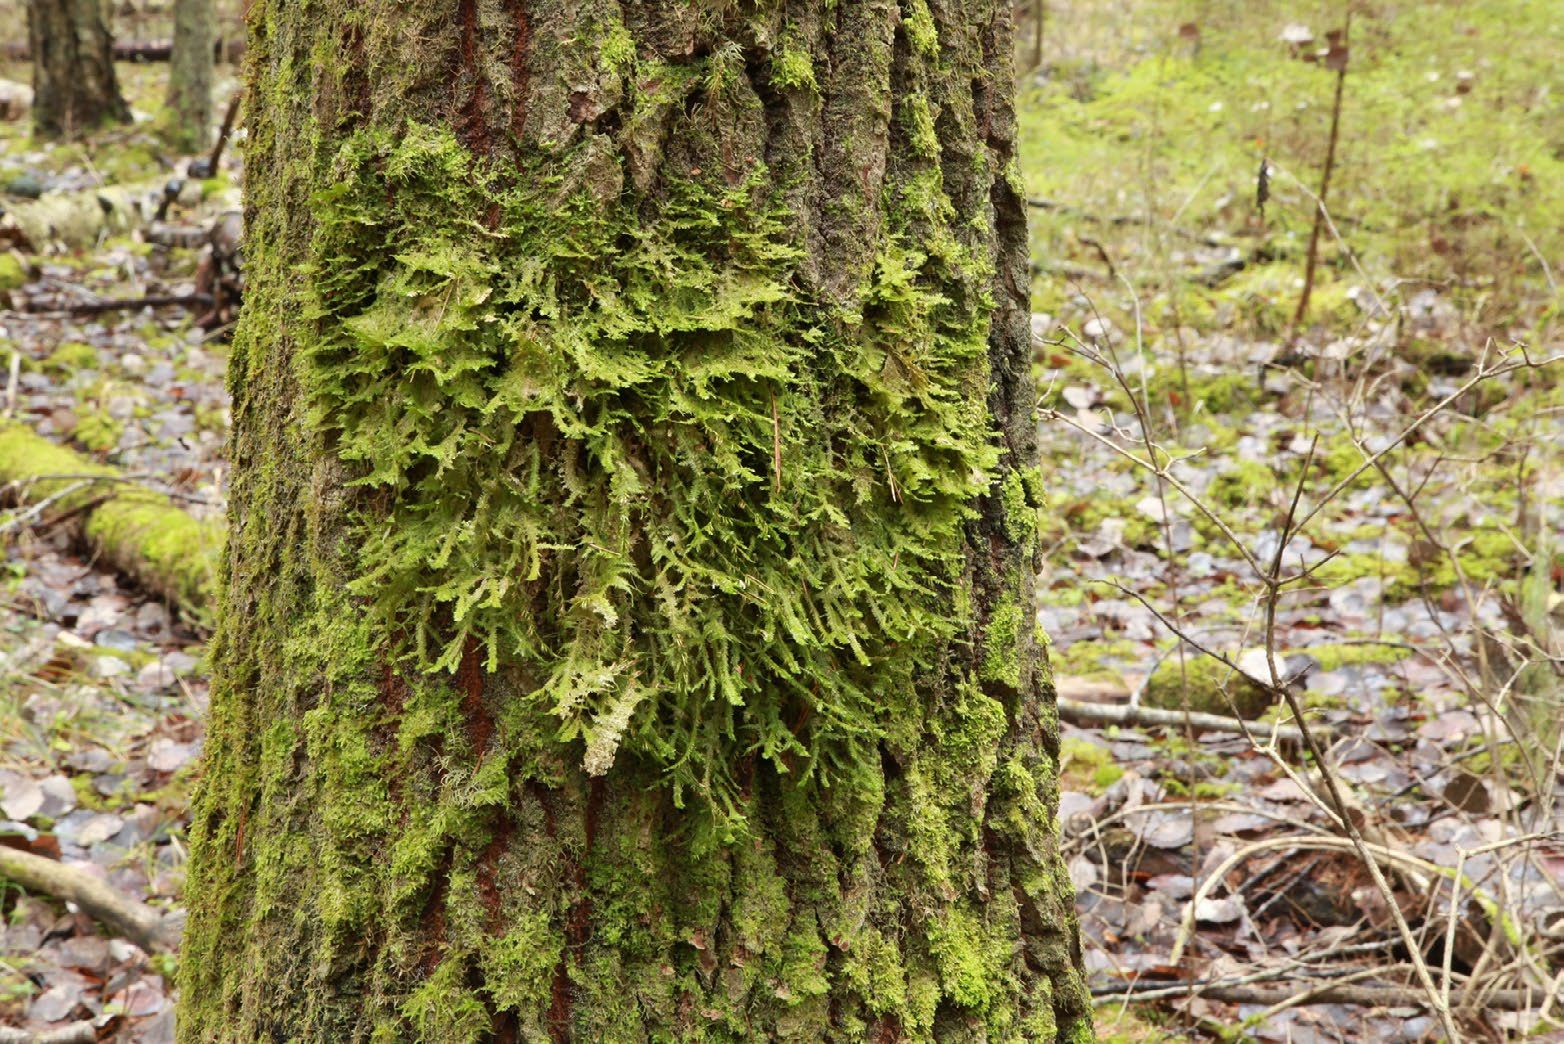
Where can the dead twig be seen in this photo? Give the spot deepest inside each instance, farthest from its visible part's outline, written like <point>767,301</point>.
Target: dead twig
<point>1336,58</point>
<point>1325,993</point>
<point>1078,713</point>
<point>133,920</point>
<point>116,304</point>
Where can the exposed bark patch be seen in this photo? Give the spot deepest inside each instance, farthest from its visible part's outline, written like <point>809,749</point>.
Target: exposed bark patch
<point>356,78</point>
<point>887,1030</point>
<point>579,921</point>
<point>488,888</point>
<point>473,122</point>
<point>392,689</point>
<point>520,68</point>
<point>434,916</point>
<point>559,1007</point>
<point>469,679</point>
<point>506,1029</point>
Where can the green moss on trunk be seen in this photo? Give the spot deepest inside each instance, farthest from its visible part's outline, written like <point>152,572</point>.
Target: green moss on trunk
<point>641,652</point>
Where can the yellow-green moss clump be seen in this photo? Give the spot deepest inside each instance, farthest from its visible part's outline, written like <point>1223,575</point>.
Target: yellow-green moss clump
<point>634,361</point>
<point>1087,767</point>
<point>1212,683</point>
<point>70,357</point>
<point>13,273</point>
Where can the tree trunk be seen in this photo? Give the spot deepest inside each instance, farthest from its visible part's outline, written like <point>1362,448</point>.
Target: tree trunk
<point>190,75</point>
<point>74,87</point>
<point>628,626</point>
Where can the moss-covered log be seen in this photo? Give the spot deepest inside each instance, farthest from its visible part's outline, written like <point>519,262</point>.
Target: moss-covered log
<point>628,634</point>
<point>75,90</point>
<point>138,531</point>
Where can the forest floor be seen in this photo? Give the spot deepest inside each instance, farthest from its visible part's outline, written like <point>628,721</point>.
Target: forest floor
<point>1373,492</point>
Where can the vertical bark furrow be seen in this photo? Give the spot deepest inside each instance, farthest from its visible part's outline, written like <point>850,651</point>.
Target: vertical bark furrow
<point>473,123</point>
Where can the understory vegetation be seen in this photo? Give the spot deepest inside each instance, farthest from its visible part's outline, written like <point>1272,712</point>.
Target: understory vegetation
<point>1367,486</point>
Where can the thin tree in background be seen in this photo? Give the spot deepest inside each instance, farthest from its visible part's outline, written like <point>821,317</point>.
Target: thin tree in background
<point>191,64</point>
<point>629,628</point>
<point>74,87</point>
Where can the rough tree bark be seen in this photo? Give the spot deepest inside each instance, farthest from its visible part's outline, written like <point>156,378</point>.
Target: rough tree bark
<point>190,69</point>
<point>74,87</point>
<point>628,632</point>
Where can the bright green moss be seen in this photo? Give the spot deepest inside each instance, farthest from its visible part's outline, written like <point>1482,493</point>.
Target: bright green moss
<point>1002,650</point>
<point>1222,395</point>
<point>519,966</point>
<point>1339,457</point>
<point>1021,509</point>
<point>919,120</point>
<point>965,958</point>
<point>137,529</point>
<point>98,432</point>
<point>1243,483</point>
<point>1087,766</point>
<point>1212,686</point>
<point>443,1009</point>
<point>1331,656</point>
<point>677,628</point>
<point>129,162</point>
<point>618,47</point>
<point>921,30</point>
<point>792,68</point>
<point>160,543</point>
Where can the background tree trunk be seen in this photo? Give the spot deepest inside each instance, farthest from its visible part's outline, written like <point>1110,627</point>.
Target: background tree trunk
<point>74,87</point>
<point>628,630</point>
<point>191,63</point>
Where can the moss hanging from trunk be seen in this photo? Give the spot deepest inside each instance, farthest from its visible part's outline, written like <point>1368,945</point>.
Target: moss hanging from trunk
<point>634,510</point>
<point>728,506</point>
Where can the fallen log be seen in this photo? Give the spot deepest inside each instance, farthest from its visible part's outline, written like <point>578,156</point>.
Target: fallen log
<point>68,221</point>
<point>98,306</point>
<point>138,531</point>
<point>1123,714</point>
<point>1316,993</point>
<point>231,51</point>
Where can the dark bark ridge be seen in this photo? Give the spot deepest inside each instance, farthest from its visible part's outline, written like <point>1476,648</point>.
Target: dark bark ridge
<point>641,651</point>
